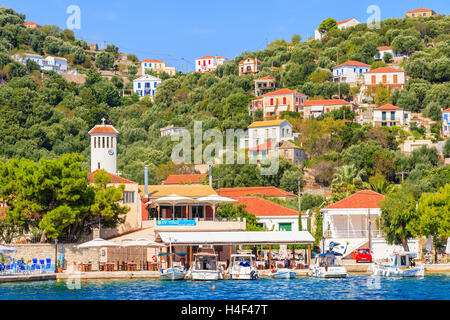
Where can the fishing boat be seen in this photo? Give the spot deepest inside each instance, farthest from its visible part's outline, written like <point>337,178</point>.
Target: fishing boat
<point>242,267</point>
<point>205,267</point>
<point>400,265</point>
<point>328,266</point>
<point>174,272</point>
<point>283,273</point>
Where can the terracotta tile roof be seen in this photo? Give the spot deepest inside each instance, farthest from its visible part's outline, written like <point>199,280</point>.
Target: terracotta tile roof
<point>185,179</point>
<point>419,10</point>
<point>262,208</point>
<point>344,21</point>
<point>446,110</point>
<point>384,70</point>
<point>325,102</point>
<point>263,146</point>
<point>282,92</point>
<point>384,48</point>
<point>194,191</point>
<point>388,107</point>
<point>265,78</point>
<point>114,178</point>
<point>32,54</point>
<point>267,123</point>
<point>206,57</point>
<point>244,191</point>
<point>288,145</point>
<point>359,200</point>
<point>152,60</point>
<point>242,61</point>
<point>352,63</point>
<point>103,129</point>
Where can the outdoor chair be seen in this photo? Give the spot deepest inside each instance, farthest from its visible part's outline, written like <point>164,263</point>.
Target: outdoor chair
<point>42,265</point>
<point>48,265</point>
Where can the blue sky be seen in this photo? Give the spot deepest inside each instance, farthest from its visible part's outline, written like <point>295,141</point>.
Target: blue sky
<point>171,30</point>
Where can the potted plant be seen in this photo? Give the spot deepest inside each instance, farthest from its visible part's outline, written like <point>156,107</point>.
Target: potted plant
<point>59,267</point>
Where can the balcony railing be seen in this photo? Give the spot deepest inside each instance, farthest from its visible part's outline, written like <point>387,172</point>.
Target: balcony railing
<point>353,234</point>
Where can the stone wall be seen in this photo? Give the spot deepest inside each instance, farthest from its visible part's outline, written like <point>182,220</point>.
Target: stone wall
<point>47,250</point>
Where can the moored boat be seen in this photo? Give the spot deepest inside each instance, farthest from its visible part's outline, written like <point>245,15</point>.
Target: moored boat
<point>205,267</point>
<point>242,267</point>
<point>400,265</point>
<point>283,273</point>
<point>327,266</point>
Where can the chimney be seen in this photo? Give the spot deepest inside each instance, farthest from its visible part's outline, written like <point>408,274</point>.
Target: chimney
<point>210,175</point>
<point>146,180</point>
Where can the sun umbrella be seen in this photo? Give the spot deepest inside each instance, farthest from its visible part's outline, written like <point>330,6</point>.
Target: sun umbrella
<point>98,243</point>
<point>172,200</point>
<point>215,199</point>
<point>4,249</point>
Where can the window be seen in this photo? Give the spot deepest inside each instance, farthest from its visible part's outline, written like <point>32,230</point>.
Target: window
<point>395,78</point>
<point>107,142</point>
<point>271,101</point>
<point>199,63</point>
<point>287,226</point>
<point>128,197</point>
<point>103,142</point>
<point>374,79</point>
<point>139,85</point>
<point>197,212</point>
<point>95,143</point>
<point>155,84</point>
<point>209,61</point>
<point>284,100</point>
<point>384,79</point>
<point>99,145</point>
<point>383,115</point>
<point>392,115</point>
<point>274,132</point>
<point>112,142</point>
<point>98,165</point>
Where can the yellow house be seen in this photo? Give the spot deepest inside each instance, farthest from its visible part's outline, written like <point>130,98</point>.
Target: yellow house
<point>248,65</point>
<point>276,102</point>
<point>421,12</point>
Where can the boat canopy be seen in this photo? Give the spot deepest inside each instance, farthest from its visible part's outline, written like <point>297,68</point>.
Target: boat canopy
<point>168,253</point>
<point>332,253</point>
<point>235,237</point>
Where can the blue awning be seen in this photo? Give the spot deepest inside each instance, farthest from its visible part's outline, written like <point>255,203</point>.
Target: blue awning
<point>330,253</point>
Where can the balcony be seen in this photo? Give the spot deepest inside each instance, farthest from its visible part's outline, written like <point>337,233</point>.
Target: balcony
<point>196,224</point>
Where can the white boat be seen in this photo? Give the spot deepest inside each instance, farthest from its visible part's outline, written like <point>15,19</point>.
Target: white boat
<point>283,273</point>
<point>205,267</point>
<point>175,272</point>
<point>400,265</point>
<point>242,267</point>
<point>327,266</point>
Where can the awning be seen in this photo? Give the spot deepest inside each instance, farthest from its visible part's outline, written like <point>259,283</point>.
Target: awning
<point>235,237</point>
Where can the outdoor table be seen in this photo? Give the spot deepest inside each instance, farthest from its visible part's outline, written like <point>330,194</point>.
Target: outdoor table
<point>131,266</point>
<point>260,265</point>
<point>280,263</point>
<point>109,266</point>
<point>299,264</point>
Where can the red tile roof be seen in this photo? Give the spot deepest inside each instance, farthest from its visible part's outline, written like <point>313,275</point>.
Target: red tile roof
<point>242,61</point>
<point>281,92</point>
<point>359,200</point>
<point>207,57</point>
<point>264,191</point>
<point>384,48</point>
<point>103,129</point>
<point>185,178</point>
<point>446,110</point>
<point>152,60</point>
<point>419,10</point>
<point>344,21</point>
<point>266,78</point>
<point>384,70</point>
<point>114,178</point>
<point>325,102</point>
<point>262,208</point>
<point>353,63</point>
<point>388,107</point>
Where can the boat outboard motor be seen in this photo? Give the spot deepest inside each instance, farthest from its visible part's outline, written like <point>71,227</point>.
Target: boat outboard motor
<point>253,275</point>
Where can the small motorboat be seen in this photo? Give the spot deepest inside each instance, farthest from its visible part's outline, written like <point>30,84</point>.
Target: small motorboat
<point>327,266</point>
<point>400,265</point>
<point>176,271</point>
<point>205,267</point>
<point>283,273</point>
<point>242,267</point>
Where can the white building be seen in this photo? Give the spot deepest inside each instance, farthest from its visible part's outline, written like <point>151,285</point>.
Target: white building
<point>272,216</point>
<point>157,66</point>
<point>386,76</point>
<point>389,116</point>
<point>382,51</point>
<point>104,148</point>
<point>260,132</point>
<point>171,130</point>
<point>56,64</point>
<point>35,57</point>
<point>208,63</point>
<point>350,72</point>
<point>446,122</point>
<point>341,25</point>
<point>146,85</point>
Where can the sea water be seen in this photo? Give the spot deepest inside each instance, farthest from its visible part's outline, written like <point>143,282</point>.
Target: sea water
<point>354,287</point>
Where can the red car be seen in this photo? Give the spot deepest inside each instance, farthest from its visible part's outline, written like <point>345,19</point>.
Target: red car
<point>363,255</point>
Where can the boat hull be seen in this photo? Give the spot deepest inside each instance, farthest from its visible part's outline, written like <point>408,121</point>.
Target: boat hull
<point>206,275</point>
<point>388,271</point>
<point>284,274</point>
<point>331,272</point>
<point>172,275</point>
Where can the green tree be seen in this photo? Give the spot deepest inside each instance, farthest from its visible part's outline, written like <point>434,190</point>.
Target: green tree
<point>327,25</point>
<point>104,61</point>
<point>434,216</point>
<point>230,211</point>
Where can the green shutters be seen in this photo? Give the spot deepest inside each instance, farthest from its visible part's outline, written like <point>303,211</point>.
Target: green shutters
<point>287,226</point>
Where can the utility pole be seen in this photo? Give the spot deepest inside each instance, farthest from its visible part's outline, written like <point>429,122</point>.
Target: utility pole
<point>370,233</point>
<point>299,189</point>
<point>339,77</point>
